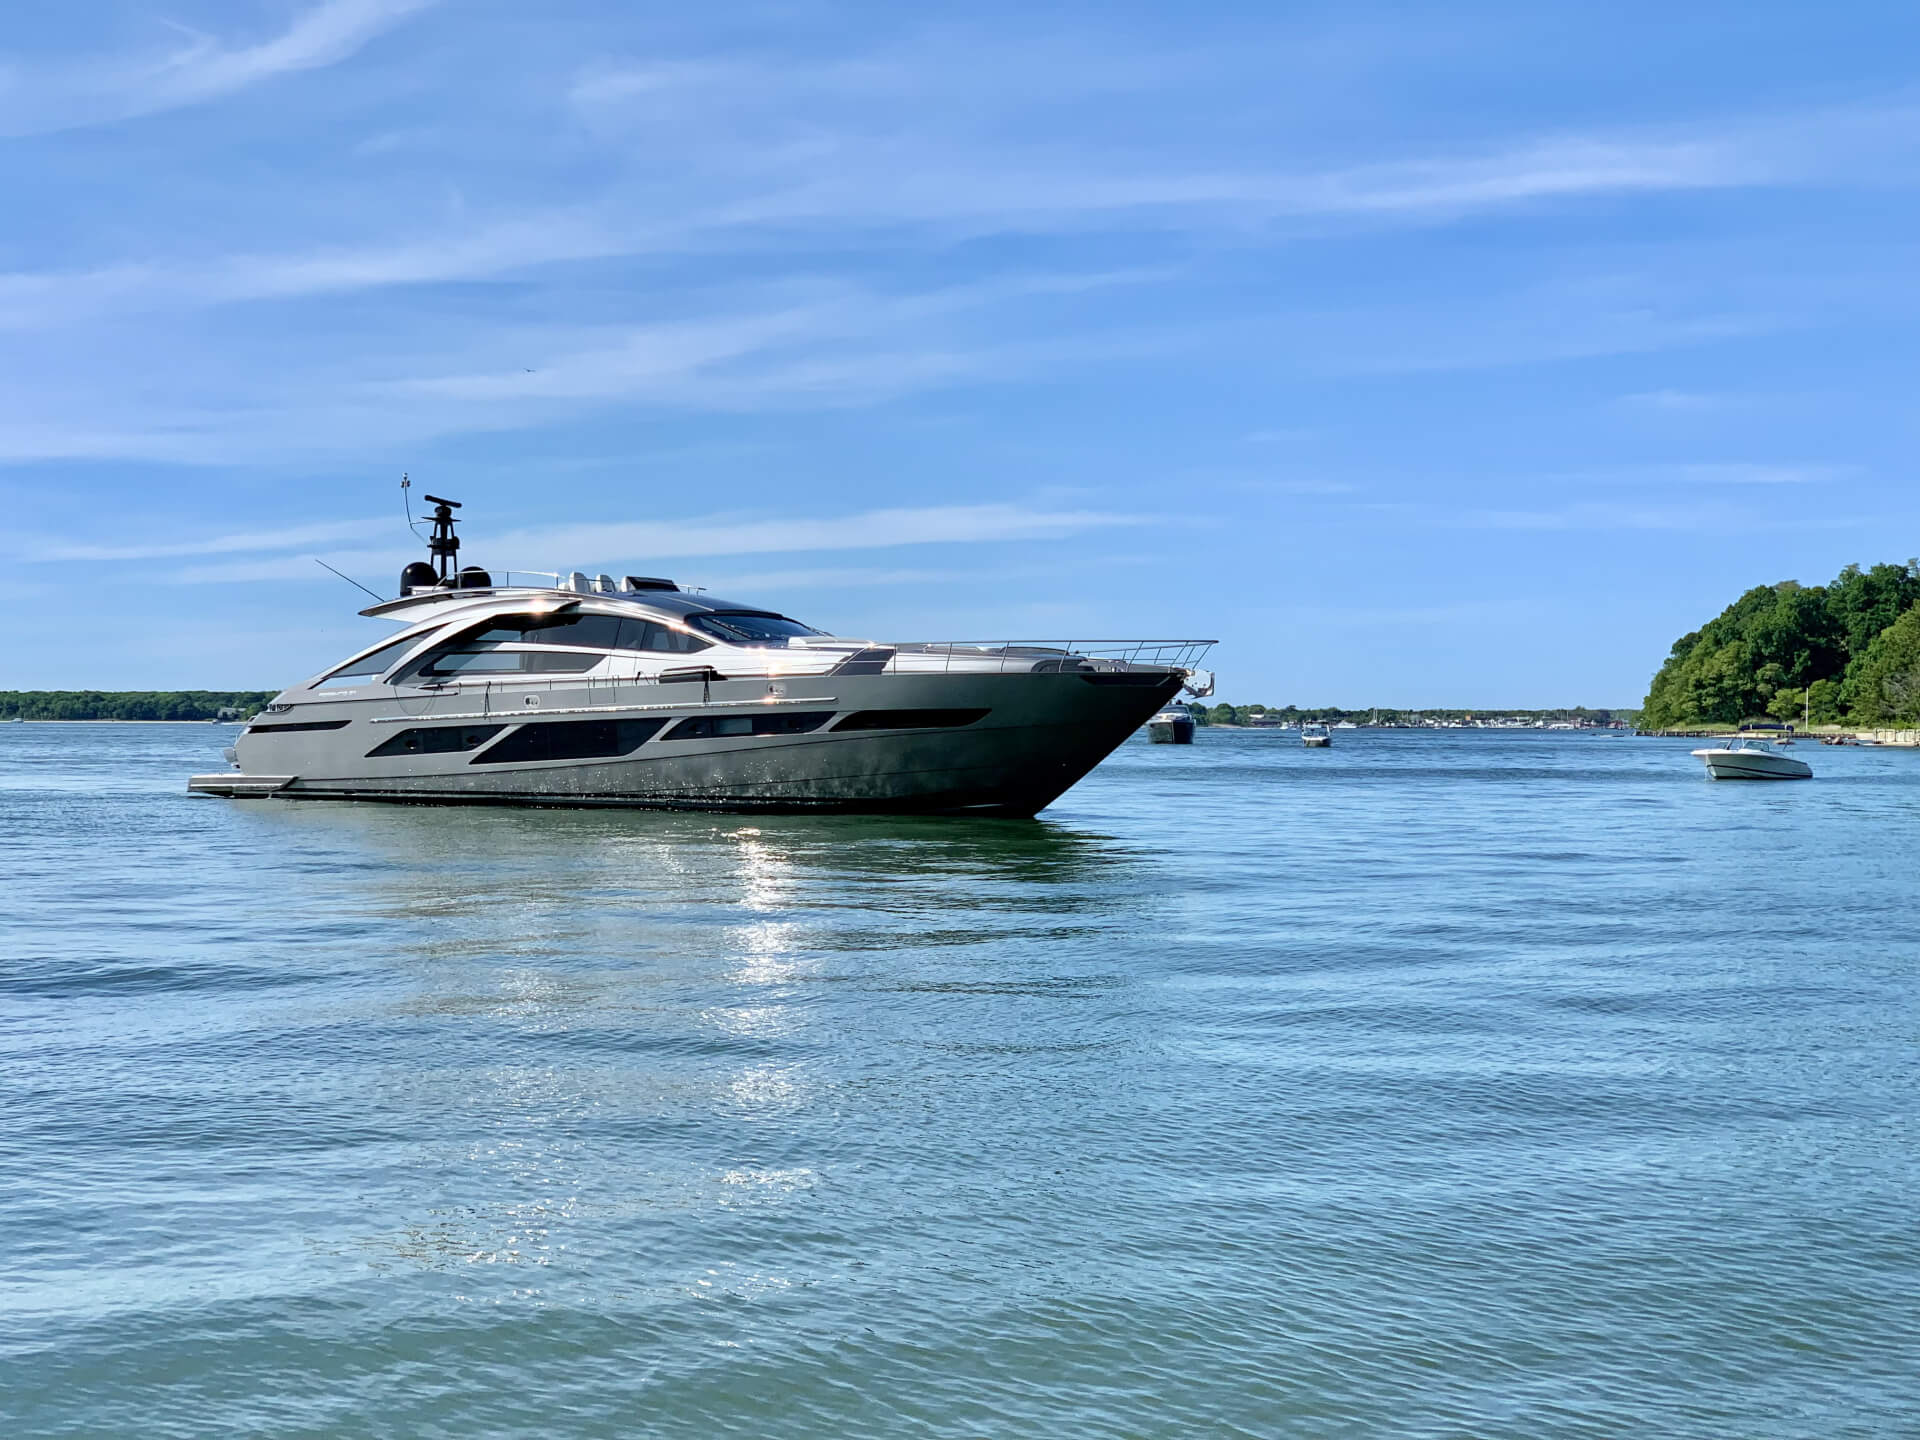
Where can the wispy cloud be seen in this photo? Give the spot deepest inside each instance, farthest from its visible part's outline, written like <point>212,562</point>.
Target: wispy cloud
<point>1718,517</point>
<point>1738,473</point>
<point>1680,401</point>
<point>900,137</point>
<point>853,577</point>
<point>1715,473</point>
<point>37,98</point>
<point>817,346</point>
<point>295,538</point>
<point>1536,324</point>
<point>470,252</point>
<point>891,168</point>
<point>627,544</point>
<point>1372,617</point>
<point>873,529</point>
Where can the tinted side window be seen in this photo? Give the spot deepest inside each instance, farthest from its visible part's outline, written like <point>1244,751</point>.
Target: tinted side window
<point>474,661</point>
<point>595,632</point>
<point>569,740</point>
<point>909,719</point>
<point>658,639</point>
<point>437,740</point>
<point>555,662</point>
<point>715,727</point>
<point>490,661</point>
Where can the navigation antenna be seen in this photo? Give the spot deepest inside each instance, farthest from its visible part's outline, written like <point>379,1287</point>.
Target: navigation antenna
<point>443,544</point>
<point>406,500</point>
<point>349,579</point>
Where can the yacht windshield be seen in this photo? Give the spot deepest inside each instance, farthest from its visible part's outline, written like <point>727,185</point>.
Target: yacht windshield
<point>368,666</point>
<point>750,627</point>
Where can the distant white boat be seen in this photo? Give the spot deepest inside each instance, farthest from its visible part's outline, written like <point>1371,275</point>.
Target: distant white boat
<point>1316,736</point>
<point>1743,759</point>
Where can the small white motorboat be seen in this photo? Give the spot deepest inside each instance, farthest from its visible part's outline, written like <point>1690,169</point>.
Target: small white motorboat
<point>1745,759</point>
<point>1316,736</point>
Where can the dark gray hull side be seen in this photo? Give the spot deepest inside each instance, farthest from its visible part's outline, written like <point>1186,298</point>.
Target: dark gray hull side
<point>1043,733</point>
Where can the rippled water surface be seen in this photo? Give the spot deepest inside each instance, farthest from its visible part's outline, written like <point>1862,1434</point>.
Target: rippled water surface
<point>1434,1085</point>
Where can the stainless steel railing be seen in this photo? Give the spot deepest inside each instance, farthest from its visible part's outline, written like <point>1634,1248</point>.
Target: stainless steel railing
<point>1024,655</point>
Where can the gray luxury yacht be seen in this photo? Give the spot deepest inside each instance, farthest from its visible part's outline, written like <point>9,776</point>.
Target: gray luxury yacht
<point>572,689</point>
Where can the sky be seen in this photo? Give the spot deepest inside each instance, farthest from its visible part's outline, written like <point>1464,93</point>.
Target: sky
<point>1423,355</point>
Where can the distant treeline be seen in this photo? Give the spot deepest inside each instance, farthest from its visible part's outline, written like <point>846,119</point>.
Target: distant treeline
<point>1845,651</point>
<point>1329,715</point>
<point>131,704</point>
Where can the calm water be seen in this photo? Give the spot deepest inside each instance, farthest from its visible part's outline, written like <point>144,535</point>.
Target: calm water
<point>1433,1085</point>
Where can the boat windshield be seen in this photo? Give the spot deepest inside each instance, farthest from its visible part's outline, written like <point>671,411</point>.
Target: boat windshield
<point>750,627</point>
<point>369,666</point>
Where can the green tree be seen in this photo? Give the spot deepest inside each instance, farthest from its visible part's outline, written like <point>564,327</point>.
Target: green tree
<point>1863,603</point>
<point>1823,702</point>
<point>1780,638</point>
<point>1883,685</point>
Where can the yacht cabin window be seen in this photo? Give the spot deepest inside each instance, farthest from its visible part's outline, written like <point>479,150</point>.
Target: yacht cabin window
<point>569,645</point>
<point>370,667</point>
<point>482,659</point>
<point>751,627</point>
<point>590,632</point>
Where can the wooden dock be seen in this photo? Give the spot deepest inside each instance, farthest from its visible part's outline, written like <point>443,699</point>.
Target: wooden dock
<point>1900,738</point>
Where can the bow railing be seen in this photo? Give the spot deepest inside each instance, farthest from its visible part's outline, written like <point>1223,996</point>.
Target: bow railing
<point>1025,655</point>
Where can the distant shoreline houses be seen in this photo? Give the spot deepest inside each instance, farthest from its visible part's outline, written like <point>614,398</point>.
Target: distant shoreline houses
<point>1264,717</point>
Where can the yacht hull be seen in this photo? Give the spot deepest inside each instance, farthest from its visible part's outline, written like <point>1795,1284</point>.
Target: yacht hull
<point>1035,735</point>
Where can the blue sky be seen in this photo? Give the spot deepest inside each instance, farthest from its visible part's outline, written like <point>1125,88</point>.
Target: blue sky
<point>1442,355</point>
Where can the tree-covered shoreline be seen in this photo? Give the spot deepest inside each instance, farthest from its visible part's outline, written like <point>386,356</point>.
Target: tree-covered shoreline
<point>131,704</point>
<point>1845,652</point>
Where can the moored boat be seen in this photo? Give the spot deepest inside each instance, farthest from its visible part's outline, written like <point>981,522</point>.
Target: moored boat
<point>1172,726</point>
<point>1746,759</point>
<point>1316,737</point>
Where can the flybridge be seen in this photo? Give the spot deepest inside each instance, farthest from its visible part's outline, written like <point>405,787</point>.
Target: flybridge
<point>443,572</point>
<point>550,590</point>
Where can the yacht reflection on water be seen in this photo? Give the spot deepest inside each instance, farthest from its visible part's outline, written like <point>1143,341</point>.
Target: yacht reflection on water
<point>577,691</point>
<point>523,855</point>
<point>619,1018</point>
